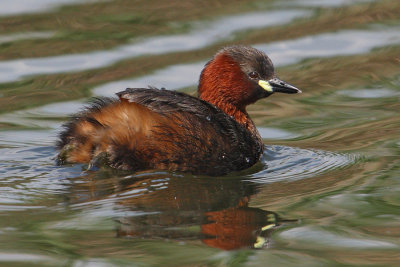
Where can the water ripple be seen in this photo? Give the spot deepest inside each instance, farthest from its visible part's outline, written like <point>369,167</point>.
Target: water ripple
<point>313,235</point>
<point>346,42</point>
<point>28,173</point>
<point>284,163</point>
<point>12,7</point>
<point>321,3</point>
<point>31,172</point>
<point>25,36</point>
<point>13,70</point>
<point>369,93</point>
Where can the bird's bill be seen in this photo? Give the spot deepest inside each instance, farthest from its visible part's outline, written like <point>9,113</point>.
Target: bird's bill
<point>277,85</point>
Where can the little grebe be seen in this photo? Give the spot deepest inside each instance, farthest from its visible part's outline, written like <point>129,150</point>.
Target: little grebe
<point>160,129</point>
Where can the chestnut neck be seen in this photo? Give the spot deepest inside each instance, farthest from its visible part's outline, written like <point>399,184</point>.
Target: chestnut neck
<point>223,84</point>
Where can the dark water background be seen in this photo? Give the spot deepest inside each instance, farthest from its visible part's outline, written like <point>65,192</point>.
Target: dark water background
<point>326,192</point>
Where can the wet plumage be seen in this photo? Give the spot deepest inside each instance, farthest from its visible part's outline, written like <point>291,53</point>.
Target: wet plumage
<point>148,128</point>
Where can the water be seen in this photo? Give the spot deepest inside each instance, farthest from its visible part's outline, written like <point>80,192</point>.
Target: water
<point>198,38</point>
<point>9,7</point>
<point>282,53</point>
<point>326,191</point>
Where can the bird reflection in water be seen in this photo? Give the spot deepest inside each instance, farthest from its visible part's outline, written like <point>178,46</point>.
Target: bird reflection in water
<point>168,206</point>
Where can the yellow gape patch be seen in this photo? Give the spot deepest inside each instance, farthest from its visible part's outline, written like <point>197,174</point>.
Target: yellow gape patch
<point>265,85</point>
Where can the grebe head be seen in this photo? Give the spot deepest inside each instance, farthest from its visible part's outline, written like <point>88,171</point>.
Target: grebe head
<point>238,76</point>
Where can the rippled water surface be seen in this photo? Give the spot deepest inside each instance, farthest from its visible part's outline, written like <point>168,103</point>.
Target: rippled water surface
<point>325,193</point>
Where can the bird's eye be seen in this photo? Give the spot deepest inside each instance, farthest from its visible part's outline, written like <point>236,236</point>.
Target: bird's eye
<point>253,75</point>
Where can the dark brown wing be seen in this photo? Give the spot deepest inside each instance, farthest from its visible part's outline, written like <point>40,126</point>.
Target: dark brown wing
<point>164,101</point>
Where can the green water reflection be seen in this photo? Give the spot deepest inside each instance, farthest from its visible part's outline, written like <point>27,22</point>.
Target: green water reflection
<point>326,192</point>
